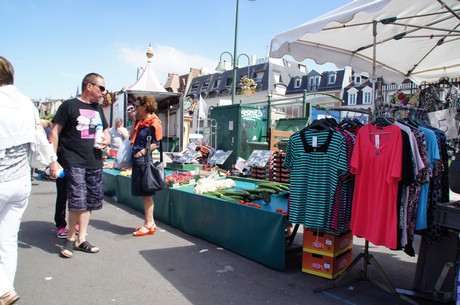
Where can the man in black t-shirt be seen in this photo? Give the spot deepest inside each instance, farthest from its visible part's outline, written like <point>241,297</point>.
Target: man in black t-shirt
<point>74,132</point>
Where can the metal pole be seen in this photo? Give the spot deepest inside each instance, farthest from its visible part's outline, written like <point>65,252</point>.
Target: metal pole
<point>234,55</point>
<point>269,118</point>
<point>304,100</point>
<point>374,56</point>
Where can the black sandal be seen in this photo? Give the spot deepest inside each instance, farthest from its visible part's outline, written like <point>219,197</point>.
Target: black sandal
<point>68,246</point>
<point>86,247</point>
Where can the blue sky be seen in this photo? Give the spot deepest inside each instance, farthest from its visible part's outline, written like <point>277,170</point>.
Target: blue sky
<point>54,43</point>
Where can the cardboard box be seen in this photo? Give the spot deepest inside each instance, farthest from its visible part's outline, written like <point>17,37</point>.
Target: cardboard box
<point>326,266</point>
<point>327,244</point>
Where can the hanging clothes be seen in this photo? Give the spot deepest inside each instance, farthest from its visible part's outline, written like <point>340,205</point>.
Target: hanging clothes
<point>441,96</point>
<point>377,165</point>
<point>316,159</point>
<point>433,155</point>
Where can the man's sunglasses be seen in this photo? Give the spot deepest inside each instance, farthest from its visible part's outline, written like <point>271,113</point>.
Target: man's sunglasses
<point>102,88</point>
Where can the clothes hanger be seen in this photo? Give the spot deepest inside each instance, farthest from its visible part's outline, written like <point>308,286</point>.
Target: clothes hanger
<point>319,124</point>
<point>444,81</point>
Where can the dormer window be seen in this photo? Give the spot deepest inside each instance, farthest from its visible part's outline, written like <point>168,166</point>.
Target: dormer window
<point>357,79</point>
<point>194,87</point>
<point>297,83</point>
<point>331,79</point>
<point>216,83</point>
<point>258,76</point>
<point>367,96</point>
<point>303,68</point>
<point>314,83</point>
<point>352,96</point>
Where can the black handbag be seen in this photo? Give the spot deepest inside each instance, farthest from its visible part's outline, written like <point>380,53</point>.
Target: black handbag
<point>153,174</point>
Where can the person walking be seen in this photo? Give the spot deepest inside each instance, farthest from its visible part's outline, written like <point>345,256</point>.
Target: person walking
<point>75,132</point>
<point>148,123</point>
<point>60,208</point>
<point>17,130</point>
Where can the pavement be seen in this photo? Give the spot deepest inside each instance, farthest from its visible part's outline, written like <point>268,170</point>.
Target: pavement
<point>175,268</point>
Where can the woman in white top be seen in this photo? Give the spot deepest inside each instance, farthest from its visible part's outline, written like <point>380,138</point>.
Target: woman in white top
<point>117,135</point>
<point>17,131</point>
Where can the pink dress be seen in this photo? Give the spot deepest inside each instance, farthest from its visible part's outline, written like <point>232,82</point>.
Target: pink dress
<point>377,164</point>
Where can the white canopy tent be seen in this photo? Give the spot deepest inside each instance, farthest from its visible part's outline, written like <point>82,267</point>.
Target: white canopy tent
<point>393,39</point>
<point>168,102</point>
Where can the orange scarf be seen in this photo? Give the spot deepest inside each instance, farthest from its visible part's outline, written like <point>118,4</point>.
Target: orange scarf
<point>154,121</point>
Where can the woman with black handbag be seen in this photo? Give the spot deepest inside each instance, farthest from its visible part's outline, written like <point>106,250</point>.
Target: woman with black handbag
<point>148,124</point>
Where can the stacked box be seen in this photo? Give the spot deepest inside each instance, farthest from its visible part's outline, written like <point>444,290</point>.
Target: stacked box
<point>324,243</point>
<point>259,172</point>
<point>326,254</point>
<point>326,266</point>
<point>277,172</point>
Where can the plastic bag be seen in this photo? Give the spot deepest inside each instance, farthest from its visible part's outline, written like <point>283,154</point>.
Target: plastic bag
<point>123,156</point>
<point>41,153</point>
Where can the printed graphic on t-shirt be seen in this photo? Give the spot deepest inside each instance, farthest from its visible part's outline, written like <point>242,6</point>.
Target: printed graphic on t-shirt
<point>87,122</point>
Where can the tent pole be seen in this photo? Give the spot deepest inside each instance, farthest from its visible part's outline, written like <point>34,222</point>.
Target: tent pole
<point>167,130</point>
<point>374,56</point>
<point>374,48</point>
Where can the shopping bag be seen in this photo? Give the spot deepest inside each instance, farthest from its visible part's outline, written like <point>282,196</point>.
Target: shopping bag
<point>41,152</point>
<point>123,156</point>
<point>153,176</point>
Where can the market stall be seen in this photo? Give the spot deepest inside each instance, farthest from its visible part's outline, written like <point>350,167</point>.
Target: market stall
<point>391,40</point>
<point>253,232</point>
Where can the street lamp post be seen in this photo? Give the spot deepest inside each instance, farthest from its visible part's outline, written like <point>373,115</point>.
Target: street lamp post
<point>269,118</point>
<point>234,57</point>
<point>235,67</point>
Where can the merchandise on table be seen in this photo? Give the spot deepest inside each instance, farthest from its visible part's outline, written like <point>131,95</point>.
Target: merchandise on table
<point>180,179</point>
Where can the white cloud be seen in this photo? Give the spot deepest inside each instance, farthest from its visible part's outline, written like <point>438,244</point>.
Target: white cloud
<point>166,60</point>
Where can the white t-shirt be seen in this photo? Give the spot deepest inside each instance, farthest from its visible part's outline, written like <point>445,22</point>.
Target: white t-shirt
<point>117,137</point>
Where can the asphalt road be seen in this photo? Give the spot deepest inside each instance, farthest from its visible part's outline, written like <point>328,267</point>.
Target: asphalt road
<point>172,267</point>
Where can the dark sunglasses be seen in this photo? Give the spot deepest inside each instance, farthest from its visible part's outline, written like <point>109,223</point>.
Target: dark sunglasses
<point>102,88</point>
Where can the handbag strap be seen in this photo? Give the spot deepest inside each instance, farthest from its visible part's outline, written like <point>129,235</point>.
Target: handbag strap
<point>149,141</point>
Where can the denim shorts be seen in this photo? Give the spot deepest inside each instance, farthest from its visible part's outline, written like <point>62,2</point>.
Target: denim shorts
<point>85,190</point>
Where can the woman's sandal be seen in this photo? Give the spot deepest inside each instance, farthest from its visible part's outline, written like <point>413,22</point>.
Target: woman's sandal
<point>67,248</point>
<point>9,298</point>
<point>150,231</point>
<point>86,247</point>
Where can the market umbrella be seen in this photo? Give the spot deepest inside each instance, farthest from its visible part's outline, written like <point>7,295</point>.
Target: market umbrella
<point>393,39</point>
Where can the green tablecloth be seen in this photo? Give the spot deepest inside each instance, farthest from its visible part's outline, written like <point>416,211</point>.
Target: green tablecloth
<point>255,233</point>
<point>110,182</point>
<point>123,195</point>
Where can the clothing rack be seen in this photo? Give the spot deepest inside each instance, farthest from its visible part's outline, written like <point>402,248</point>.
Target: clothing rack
<point>368,259</point>
<point>401,107</point>
<point>367,111</point>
